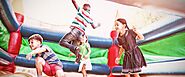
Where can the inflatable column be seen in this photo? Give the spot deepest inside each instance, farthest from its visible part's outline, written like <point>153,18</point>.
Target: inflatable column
<point>113,52</point>
<point>15,38</point>
<point>14,44</point>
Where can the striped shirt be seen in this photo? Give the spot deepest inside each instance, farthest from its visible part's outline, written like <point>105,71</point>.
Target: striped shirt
<point>82,19</point>
<point>49,56</point>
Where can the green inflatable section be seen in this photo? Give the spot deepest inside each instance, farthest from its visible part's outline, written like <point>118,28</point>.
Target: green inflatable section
<point>169,48</point>
<point>4,36</point>
<point>98,56</point>
<point>172,47</point>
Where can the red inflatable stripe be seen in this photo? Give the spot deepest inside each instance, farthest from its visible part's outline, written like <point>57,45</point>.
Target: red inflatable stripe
<point>16,38</point>
<point>10,67</point>
<point>20,18</point>
<point>14,42</point>
<point>112,54</point>
<point>113,50</point>
<point>114,34</point>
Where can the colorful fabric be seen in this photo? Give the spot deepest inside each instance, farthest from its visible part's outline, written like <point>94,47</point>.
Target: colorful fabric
<point>49,56</point>
<point>83,49</point>
<point>87,64</point>
<point>133,59</point>
<point>82,19</point>
<point>51,69</point>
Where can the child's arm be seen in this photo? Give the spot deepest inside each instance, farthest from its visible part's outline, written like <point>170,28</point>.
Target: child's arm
<point>71,54</point>
<point>75,4</point>
<point>139,36</point>
<point>121,50</point>
<point>38,50</point>
<point>94,27</point>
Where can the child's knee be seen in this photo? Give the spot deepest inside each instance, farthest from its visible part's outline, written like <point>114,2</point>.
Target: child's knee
<point>60,73</point>
<point>84,67</point>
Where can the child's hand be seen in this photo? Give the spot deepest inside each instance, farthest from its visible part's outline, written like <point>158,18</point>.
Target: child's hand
<point>71,54</point>
<point>134,28</point>
<point>86,56</point>
<point>28,56</point>
<point>98,24</point>
<point>117,60</point>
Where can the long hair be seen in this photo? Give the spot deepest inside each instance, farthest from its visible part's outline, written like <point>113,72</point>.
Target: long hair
<point>123,21</point>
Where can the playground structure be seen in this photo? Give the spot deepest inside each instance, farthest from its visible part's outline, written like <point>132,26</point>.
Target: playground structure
<point>8,18</point>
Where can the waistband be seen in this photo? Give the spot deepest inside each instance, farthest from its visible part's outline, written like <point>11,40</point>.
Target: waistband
<point>81,30</point>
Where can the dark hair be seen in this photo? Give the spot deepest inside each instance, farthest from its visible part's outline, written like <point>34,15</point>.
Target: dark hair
<point>86,38</point>
<point>36,37</point>
<point>86,5</point>
<point>123,21</point>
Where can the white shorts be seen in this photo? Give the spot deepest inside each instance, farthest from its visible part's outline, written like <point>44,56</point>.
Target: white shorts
<point>88,66</point>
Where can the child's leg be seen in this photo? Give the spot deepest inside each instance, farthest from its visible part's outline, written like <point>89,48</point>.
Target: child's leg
<point>84,71</point>
<point>59,73</point>
<point>39,63</point>
<point>127,75</point>
<point>65,41</point>
<point>136,75</point>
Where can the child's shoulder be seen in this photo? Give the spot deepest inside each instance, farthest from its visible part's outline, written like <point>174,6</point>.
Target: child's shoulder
<point>46,47</point>
<point>87,44</point>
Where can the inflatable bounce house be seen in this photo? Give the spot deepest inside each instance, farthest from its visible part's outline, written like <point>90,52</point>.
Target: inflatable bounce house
<point>163,46</point>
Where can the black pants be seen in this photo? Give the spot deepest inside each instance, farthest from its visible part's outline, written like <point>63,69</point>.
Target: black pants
<point>70,39</point>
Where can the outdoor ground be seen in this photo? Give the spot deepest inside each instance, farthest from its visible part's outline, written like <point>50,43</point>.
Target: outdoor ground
<point>163,69</point>
<point>31,72</point>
